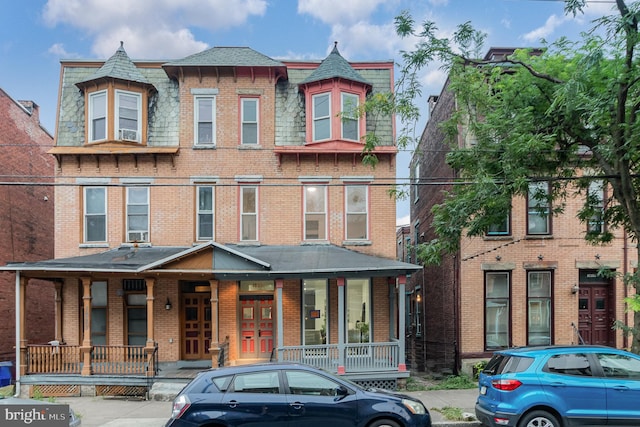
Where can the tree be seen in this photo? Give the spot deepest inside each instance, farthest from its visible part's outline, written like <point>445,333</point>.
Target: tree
<point>567,113</point>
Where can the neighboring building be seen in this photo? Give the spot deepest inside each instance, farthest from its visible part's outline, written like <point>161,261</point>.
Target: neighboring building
<point>215,210</point>
<point>26,219</point>
<point>531,280</point>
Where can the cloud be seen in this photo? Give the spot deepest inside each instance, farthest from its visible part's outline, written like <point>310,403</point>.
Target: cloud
<point>365,40</point>
<point>58,50</point>
<point>339,11</point>
<point>150,28</point>
<point>546,30</point>
<point>403,220</point>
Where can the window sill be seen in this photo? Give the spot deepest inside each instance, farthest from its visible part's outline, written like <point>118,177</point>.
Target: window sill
<point>538,236</point>
<point>93,245</point>
<point>357,243</point>
<point>315,242</point>
<point>136,245</point>
<point>249,147</point>
<point>496,237</point>
<point>204,147</point>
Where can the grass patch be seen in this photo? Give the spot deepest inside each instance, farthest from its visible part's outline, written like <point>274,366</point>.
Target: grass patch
<point>450,414</point>
<point>454,382</point>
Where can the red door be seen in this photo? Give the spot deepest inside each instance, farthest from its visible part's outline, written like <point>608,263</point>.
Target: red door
<point>595,316</point>
<point>256,326</point>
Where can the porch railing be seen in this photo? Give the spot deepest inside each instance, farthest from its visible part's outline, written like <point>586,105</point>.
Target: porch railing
<point>368,357</point>
<point>105,360</point>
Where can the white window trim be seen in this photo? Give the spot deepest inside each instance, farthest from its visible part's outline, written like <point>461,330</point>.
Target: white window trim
<point>138,96</point>
<point>212,213</point>
<point>324,190</point>
<point>243,121</point>
<point>196,111</point>
<point>254,214</point>
<point>314,118</point>
<point>147,231</point>
<point>85,215</point>
<point>346,211</point>
<point>349,95</point>
<point>91,117</point>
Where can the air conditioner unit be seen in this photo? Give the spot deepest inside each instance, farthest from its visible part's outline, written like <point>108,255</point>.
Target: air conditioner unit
<point>138,236</point>
<point>128,135</point>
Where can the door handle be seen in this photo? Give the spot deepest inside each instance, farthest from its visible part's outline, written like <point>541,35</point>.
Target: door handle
<point>296,405</point>
<point>232,404</point>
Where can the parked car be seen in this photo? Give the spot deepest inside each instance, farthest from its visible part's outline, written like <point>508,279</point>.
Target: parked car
<point>74,421</point>
<point>560,386</point>
<point>278,394</point>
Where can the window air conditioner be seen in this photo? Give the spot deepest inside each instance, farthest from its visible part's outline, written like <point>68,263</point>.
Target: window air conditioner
<point>128,135</point>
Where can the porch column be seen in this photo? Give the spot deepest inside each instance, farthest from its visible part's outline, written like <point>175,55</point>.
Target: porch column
<point>214,346</point>
<point>341,347</point>
<point>85,348</point>
<point>279,314</point>
<point>150,346</point>
<point>402,280</point>
<point>22,324</point>
<point>58,312</point>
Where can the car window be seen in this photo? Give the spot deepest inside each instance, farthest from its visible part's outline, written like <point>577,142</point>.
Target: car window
<point>569,364</point>
<point>504,364</point>
<point>221,382</point>
<point>257,382</point>
<point>619,366</point>
<point>301,382</point>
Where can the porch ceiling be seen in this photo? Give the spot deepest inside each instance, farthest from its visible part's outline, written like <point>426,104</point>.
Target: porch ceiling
<point>231,262</point>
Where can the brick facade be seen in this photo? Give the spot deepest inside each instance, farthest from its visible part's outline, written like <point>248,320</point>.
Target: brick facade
<point>26,218</point>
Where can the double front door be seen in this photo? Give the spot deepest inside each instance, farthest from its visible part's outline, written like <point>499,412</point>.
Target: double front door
<point>595,314</point>
<point>256,326</point>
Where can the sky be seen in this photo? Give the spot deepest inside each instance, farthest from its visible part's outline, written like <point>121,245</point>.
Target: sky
<point>36,34</point>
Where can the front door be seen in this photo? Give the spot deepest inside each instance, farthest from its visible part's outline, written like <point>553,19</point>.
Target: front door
<point>256,326</point>
<point>196,326</point>
<point>595,316</point>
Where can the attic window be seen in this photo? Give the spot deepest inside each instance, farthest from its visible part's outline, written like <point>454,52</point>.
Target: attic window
<point>132,285</point>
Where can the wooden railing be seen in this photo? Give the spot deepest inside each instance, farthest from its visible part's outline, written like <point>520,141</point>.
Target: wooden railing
<point>369,357</point>
<point>58,359</point>
<point>105,360</point>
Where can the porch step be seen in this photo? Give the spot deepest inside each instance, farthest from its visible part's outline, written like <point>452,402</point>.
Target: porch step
<point>165,391</point>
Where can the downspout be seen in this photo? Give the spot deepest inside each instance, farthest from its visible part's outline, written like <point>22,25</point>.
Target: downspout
<point>18,334</point>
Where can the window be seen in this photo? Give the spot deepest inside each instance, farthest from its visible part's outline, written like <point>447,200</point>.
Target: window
<point>315,311</point>
<point>205,213</point>
<point>539,209</point>
<point>358,311</point>
<point>569,364</point>
<point>98,116</point>
<point>128,106</point>
<point>315,212</point>
<point>137,214</point>
<point>99,313</point>
<point>497,307</point>
<point>321,117</point>
<point>249,130</point>
<point>539,307</point>
<point>418,313</point>
<point>205,108</point>
<point>416,182</point>
<point>95,214</point>
<point>356,210</point>
<point>257,382</point>
<point>501,229</point>
<point>595,201</point>
<point>136,319</point>
<point>350,125</point>
<point>619,366</point>
<point>311,384</point>
<point>248,213</point>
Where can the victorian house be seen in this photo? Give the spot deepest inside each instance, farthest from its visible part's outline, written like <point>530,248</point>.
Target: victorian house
<point>214,210</point>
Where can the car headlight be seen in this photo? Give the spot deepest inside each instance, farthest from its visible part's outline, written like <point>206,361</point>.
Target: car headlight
<point>414,407</point>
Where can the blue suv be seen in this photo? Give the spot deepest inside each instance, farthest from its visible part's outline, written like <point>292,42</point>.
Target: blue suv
<point>560,386</point>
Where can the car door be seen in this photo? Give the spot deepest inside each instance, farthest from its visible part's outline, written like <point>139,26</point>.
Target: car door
<point>622,382</point>
<point>255,399</point>
<point>571,386</point>
<point>317,401</point>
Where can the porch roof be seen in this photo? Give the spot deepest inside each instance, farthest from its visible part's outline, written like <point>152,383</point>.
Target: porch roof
<point>231,261</point>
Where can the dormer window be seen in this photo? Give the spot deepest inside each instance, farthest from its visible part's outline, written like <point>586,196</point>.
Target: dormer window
<point>98,116</point>
<point>350,120</point>
<point>129,115</point>
<point>321,116</point>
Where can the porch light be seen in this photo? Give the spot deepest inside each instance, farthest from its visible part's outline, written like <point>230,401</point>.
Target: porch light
<point>167,305</point>
<point>575,289</point>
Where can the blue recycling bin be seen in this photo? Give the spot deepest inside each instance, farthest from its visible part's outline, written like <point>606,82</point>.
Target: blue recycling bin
<point>5,373</point>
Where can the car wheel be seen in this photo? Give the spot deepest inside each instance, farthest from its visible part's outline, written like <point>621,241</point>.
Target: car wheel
<point>539,419</point>
<point>384,423</point>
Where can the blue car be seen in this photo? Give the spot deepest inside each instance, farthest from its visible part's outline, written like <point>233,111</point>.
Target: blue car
<point>285,395</point>
<point>560,386</point>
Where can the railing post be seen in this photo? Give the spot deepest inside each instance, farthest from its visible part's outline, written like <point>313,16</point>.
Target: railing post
<point>341,346</point>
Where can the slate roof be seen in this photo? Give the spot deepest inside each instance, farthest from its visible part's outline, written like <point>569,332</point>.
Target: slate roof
<point>120,67</point>
<point>226,57</point>
<point>335,66</point>
<point>233,262</point>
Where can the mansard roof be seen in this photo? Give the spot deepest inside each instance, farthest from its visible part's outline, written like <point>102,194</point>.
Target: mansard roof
<point>118,67</point>
<point>226,57</point>
<point>335,66</point>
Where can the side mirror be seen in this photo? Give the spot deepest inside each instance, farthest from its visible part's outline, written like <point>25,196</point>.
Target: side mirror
<point>342,391</point>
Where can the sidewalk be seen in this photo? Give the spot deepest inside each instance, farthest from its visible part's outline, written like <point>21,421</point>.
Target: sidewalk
<point>118,412</point>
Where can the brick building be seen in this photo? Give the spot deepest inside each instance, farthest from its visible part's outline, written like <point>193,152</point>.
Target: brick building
<point>531,280</point>
<point>215,210</point>
<point>26,218</point>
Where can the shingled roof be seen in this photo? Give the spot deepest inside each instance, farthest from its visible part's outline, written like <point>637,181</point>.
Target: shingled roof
<point>119,67</point>
<point>335,66</point>
<point>226,57</point>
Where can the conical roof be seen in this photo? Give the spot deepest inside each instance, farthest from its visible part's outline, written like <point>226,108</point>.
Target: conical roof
<point>335,66</point>
<point>120,67</point>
